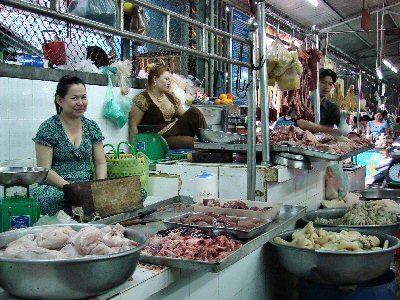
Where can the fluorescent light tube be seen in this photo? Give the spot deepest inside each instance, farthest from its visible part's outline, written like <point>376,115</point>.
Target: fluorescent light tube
<point>313,2</point>
<point>379,73</point>
<point>387,63</point>
<point>394,69</point>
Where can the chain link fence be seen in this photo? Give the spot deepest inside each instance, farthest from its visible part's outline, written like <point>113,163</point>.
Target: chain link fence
<point>24,33</point>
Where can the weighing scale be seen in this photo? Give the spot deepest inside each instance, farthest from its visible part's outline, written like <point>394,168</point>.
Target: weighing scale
<point>19,211</point>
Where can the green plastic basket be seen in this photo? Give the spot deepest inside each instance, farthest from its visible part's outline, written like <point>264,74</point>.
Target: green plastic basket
<point>123,165</point>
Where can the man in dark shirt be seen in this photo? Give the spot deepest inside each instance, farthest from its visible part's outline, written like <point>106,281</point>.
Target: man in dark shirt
<point>329,112</point>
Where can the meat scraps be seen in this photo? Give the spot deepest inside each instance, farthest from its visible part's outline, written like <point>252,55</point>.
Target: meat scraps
<point>233,204</point>
<point>294,136</point>
<point>220,220</point>
<point>64,242</point>
<point>191,244</point>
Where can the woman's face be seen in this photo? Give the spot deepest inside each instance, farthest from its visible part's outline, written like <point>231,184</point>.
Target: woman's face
<point>75,102</point>
<point>163,83</point>
<point>378,117</point>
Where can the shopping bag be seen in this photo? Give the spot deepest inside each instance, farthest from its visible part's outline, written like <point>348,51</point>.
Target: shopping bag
<point>112,109</point>
<point>103,11</point>
<point>54,51</point>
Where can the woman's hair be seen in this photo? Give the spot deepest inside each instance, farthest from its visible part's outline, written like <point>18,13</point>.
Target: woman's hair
<point>63,87</point>
<point>155,71</point>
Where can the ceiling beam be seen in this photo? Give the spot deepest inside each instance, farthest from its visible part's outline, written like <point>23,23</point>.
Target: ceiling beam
<point>347,25</point>
<point>356,17</point>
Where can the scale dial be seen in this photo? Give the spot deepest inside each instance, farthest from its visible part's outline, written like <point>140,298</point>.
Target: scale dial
<point>394,172</point>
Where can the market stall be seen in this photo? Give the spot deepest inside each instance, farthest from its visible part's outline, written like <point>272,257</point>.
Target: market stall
<point>215,225</point>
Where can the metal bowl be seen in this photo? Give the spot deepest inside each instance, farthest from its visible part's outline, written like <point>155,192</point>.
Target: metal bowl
<point>333,213</point>
<point>373,194</point>
<point>72,278</point>
<point>213,136</point>
<point>22,175</point>
<point>337,267</point>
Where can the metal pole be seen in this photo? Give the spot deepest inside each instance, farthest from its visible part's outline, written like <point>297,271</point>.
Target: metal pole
<point>212,45</point>
<point>251,115</point>
<point>317,100</point>
<point>112,30</point>
<point>359,101</point>
<point>264,100</point>
<point>167,26</point>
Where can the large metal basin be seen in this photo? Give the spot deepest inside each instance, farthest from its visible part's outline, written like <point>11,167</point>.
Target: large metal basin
<point>373,194</point>
<point>66,278</point>
<point>22,175</point>
<point>336,267</point>
<point>333,213</point>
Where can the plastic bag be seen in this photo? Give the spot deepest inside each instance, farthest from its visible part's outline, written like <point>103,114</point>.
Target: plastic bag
<point>336,182</point>
<point>59,218</point>
<point>113,109</point>
<point>290,80</point>
<point>280,59</point>
<point>139,21</point>
<point>102,11</point>
<point>123,71</point>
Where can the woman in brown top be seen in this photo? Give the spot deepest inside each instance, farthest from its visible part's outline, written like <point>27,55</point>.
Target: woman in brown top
<point>158,108</point>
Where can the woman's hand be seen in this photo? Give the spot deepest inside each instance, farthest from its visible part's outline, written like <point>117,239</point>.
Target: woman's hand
<point>44,158</point>
<point>99,161</point>
<point>135,117</point>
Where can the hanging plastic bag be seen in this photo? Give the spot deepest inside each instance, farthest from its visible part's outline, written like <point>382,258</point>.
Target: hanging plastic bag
<point>336,182</point>
<point>290,80</point>
<point>113,110</point>
<point>102,11</point>
<point>139,21</point>
<point>123,72</point>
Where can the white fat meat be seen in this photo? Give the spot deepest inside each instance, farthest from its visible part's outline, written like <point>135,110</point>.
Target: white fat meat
<point>87,239</point>
<point>54,238</point>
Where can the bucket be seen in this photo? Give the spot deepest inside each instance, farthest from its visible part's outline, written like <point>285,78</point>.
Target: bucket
<point>383,287</point>
<point>205,185</point>
<point>54,51</point>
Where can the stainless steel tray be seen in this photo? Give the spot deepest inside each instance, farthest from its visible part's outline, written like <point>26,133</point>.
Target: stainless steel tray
<point>283,148</point>
<point>287,219</point>
<point>237,233</point>
<point>317,153</point>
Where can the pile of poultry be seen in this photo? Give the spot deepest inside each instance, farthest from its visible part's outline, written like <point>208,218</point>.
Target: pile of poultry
<point>295,136</point>
<point>64,242</point>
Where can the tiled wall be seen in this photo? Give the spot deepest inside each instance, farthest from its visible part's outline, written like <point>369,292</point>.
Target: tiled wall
<point>25,104</point>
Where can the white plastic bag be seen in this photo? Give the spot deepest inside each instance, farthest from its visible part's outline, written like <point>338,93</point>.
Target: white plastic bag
<point>103,11</point>
<point>59,218</point>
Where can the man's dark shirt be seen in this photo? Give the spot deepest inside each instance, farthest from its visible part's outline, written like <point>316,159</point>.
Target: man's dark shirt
<point>330,114</point>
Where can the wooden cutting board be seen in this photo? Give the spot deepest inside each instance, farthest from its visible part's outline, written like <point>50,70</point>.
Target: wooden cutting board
<point>106,196</point>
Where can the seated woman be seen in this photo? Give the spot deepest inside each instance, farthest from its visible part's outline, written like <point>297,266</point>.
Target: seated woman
<point>377,126</point>
<point>66,144</point>
<point>158,108</point>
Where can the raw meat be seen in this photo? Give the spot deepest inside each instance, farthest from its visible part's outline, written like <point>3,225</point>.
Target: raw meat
<point>191,244</point>
<point>64,242</point>
<point>220,220</point>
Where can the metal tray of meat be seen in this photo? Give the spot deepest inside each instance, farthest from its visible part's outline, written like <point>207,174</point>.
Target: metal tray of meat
<point>218,230</point>
<point>288,217</point>
<point>318,153</point>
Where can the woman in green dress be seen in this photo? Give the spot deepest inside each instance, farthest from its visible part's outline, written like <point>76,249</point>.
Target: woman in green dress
<point>66,144</point>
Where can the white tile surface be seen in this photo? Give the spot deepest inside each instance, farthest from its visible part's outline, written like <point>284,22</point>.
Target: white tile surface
<point>20,101</point>
<point>96,101</point>
<point>4,96</point>
<point>21,145</point>
<point>43,99</point>
<point>4,140</point>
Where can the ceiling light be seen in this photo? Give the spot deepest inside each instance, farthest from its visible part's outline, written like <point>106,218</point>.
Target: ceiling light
<point>394,69</point>
<point>379,73</point>
<point>227,8</point>
<point>387,63</point>
<point>313,2</point>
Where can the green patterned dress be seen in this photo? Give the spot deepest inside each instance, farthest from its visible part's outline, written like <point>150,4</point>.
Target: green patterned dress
<point>71,163</point>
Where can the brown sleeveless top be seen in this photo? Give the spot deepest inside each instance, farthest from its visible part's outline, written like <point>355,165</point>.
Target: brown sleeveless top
<point>153,115</point>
